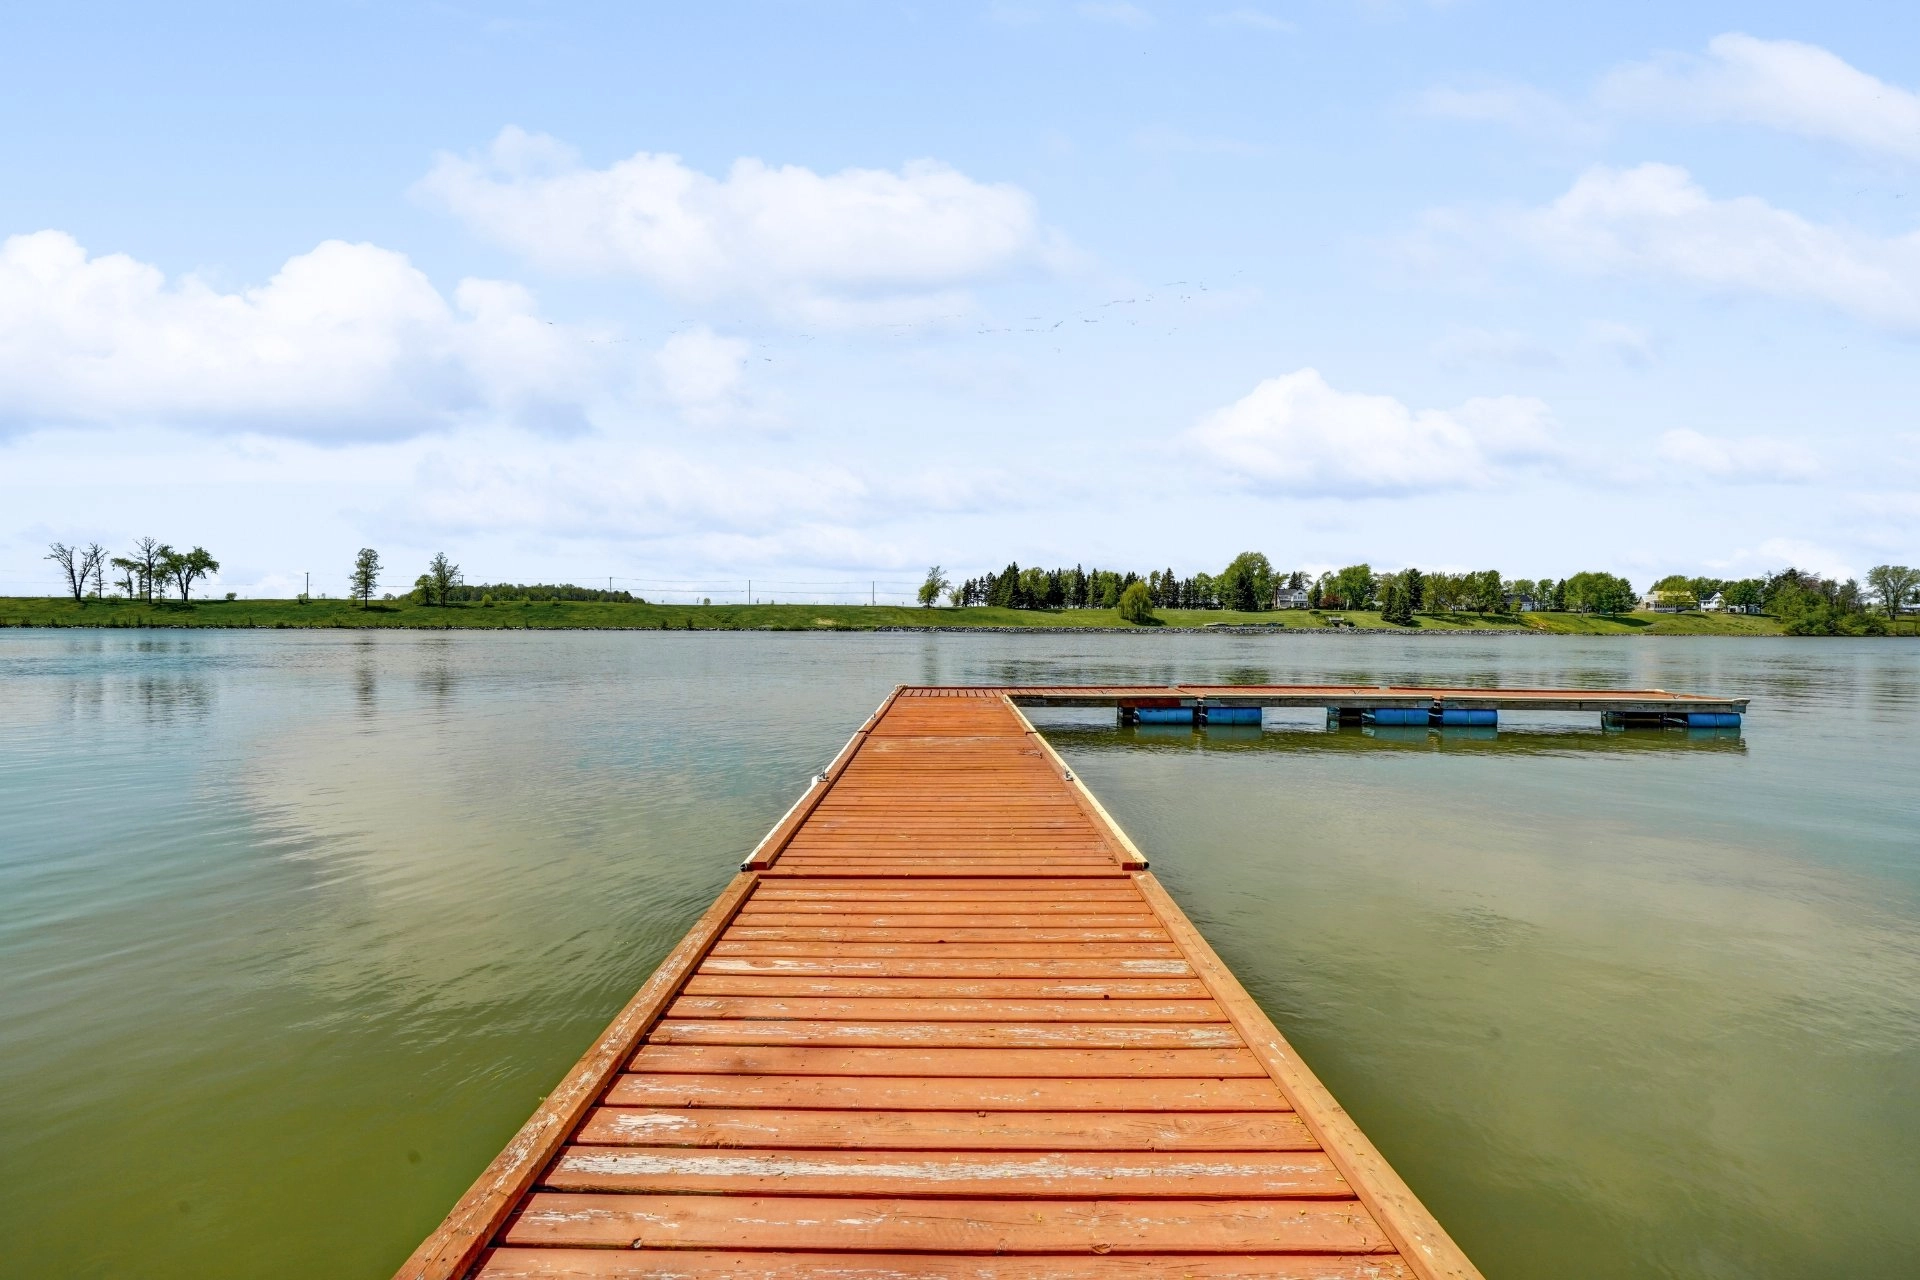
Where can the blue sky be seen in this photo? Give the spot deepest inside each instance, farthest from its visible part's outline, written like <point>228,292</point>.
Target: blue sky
<point>817,294</point>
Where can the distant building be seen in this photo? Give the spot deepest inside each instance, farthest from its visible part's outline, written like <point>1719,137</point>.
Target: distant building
<point>1715,603</point>
<point>1290,598</point>
<point>1521,604</point>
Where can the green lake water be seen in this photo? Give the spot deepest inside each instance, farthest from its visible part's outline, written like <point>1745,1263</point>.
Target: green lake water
<point>296,929</point>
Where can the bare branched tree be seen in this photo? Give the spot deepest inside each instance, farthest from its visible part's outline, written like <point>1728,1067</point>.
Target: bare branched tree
<point>80,564</point>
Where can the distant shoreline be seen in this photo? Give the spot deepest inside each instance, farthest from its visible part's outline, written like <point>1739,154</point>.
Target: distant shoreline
<point>597,615</point>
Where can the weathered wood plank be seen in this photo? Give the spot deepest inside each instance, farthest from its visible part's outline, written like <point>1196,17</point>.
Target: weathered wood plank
<point>876,1092</point>
<point>955,1035</point>
<point>1224,1175</point>
<point>908,1060</point>
<point>787,986</point>
<point>946,1226</point>
<point>871,1129</point>
<point>688,1264</point>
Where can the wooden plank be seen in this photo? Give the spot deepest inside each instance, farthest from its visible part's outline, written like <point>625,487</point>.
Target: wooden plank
<point>954,1035</point>
<point>976,1093</point>
<point>948,933</point>
<point>689,1264</point>
<point>956,950</point>
<point>907,1060</point>
<point>946,1226</point>
<point>886,1130</point>
<point>452,1249</point>
<point>1218,1175</point>
<point>932,1009</point>
<point>931,914</point>
<point>950,966</point>
<point>787,986</point>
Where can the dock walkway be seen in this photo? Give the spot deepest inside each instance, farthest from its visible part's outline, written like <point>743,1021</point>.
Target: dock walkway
<point>945,1023</point>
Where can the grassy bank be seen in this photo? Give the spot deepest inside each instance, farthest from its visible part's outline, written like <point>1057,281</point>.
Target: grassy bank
<point>16,611</point>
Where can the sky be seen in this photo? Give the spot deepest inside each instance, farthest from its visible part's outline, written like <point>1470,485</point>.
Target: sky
<point>815,295</point>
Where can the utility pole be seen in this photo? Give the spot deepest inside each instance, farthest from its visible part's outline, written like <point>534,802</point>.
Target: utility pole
<point>873,594</point>
<point>749,590</point>
<point>308,593</point>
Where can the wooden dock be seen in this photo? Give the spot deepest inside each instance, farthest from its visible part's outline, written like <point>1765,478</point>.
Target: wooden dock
<point>944,1023</point>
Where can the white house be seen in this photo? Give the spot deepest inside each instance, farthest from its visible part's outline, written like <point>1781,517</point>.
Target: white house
<point>1715,603</point>
<point>1290,598</point>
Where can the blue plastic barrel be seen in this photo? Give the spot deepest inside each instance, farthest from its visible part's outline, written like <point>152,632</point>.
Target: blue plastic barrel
<point>1233,715</point>
<point>1165,715</point>
<point>1469,716</point>
<point>1713,719</point>
<point>1398,715</point>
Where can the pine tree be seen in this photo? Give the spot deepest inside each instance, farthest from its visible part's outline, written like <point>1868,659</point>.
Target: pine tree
<point>1399,606</point>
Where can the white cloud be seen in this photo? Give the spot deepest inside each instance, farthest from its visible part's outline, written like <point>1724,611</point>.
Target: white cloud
<point>1749,459</point>
<point>861,244</point>
<point>1780,84</point>
<point>1297,434</point>
<point>349,340</point>
<point>1655,219</point>
<point>1116,11</point>
<point>704,374</point>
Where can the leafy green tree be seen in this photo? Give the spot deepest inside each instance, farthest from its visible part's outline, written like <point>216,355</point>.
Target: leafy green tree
<point>1416,583</point>
<point>1748,593</point>
<point>1247,583</point>
<point>1599,593</point>
<point>442,576</point>
<point>1136,604</point>
<point>1355,585</point>
<point>1675,591</point>
<point>1894,587</point>
<point>184,568</point>
<point>930,589</point>
<point>365,576</point>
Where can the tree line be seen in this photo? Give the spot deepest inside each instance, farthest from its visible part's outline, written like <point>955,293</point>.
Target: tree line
<point>151,566</point>
<point>1806,602</point>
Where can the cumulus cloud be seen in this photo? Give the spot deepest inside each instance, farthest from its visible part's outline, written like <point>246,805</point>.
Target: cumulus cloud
<point>1746,459</point>
<point>860,244</point>
<point>1297,434</point>
<point>1780,84</point>
<point>1655,219</point>
<point>704,375</point>
<point>349,340</point>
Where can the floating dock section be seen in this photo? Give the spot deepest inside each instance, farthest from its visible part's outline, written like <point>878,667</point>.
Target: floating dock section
<point>945,1023</point>
<point>1387,704</point>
